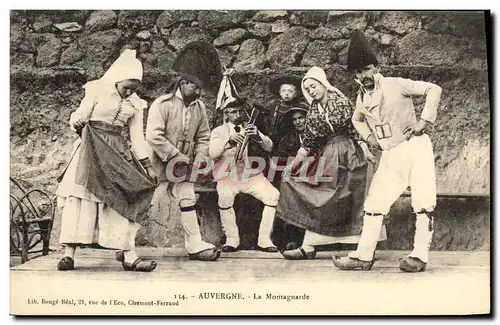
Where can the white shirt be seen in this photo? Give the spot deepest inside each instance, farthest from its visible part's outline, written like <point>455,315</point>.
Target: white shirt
<point>185,109</point>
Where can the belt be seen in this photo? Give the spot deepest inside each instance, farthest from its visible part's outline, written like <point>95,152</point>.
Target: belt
<point>106,127</point>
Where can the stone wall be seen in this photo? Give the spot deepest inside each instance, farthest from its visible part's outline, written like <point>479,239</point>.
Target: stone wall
<point>53,53</point>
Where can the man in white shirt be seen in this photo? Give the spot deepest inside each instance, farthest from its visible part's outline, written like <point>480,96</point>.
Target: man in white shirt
<point>236,176</point>
<point>385,117</point>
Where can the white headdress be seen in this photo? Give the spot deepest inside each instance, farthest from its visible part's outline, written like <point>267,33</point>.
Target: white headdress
<point>127,66</point>
<point>319,75</point>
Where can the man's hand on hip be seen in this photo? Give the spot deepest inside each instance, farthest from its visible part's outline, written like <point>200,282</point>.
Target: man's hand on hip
<point>418,129</point>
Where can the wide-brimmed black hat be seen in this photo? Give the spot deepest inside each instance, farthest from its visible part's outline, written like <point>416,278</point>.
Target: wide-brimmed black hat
<point>276,83</point>
<point>360,53</point>
<point>300,106</point>
<point>200,64</point>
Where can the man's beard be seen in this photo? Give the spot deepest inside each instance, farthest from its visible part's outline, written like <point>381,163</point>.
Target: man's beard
<point>191,97</point>
<point>368,83</point>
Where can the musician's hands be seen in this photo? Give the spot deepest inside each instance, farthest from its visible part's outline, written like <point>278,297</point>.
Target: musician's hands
<point>236,139</point>
<point>252,131</point>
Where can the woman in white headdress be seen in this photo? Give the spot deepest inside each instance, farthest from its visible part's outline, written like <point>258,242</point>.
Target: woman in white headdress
<point>106,189</point>
<point>328,201</point>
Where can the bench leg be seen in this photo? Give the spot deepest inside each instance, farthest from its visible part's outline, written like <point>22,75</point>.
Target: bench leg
<point>45,233</point>
<point>45,250</point>
<point>25,244</point>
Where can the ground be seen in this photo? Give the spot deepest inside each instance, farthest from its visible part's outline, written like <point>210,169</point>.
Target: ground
<point>454,283</point>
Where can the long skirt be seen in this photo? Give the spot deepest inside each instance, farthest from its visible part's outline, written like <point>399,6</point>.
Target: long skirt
<point>104,193</point>
<point>330,208</point>
<point>87,222</point>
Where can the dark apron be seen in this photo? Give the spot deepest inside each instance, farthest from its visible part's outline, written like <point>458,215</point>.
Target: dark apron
<point>110,171</point>
<point>332,208</point>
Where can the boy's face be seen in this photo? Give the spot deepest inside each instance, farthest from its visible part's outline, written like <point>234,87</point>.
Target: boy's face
<point>288,92</point>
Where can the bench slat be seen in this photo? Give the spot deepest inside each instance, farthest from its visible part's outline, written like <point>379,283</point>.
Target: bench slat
<point>204,189</point>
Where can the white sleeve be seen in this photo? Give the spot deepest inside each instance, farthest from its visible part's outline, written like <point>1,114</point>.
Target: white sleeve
<point>136,126</point>
<point>86,105</point>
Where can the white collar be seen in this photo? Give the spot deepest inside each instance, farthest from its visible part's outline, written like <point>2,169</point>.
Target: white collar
<point>321,108</point>
<point>231,127</point>
<point>179,94</point>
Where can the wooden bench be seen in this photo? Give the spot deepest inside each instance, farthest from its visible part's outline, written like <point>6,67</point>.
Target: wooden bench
<point>210,188</point>
<point>454,196</point>
<point>31,219</point>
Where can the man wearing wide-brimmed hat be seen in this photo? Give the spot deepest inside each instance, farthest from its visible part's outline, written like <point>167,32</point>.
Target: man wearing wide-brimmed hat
<point>385,117</point>
<point>291,142</point>
<point>178,131</point>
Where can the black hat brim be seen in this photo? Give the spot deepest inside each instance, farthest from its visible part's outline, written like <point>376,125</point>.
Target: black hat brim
<point>240,101</point>
<point>275,84</point>
<point>297,109</point>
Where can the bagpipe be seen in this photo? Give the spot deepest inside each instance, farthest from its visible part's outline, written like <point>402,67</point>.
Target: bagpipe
<point>251,120</point>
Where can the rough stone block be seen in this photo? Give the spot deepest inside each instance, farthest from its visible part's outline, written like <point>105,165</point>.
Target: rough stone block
<point>182,36</point>
<point>286,49</point>
<point>101,20</point>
